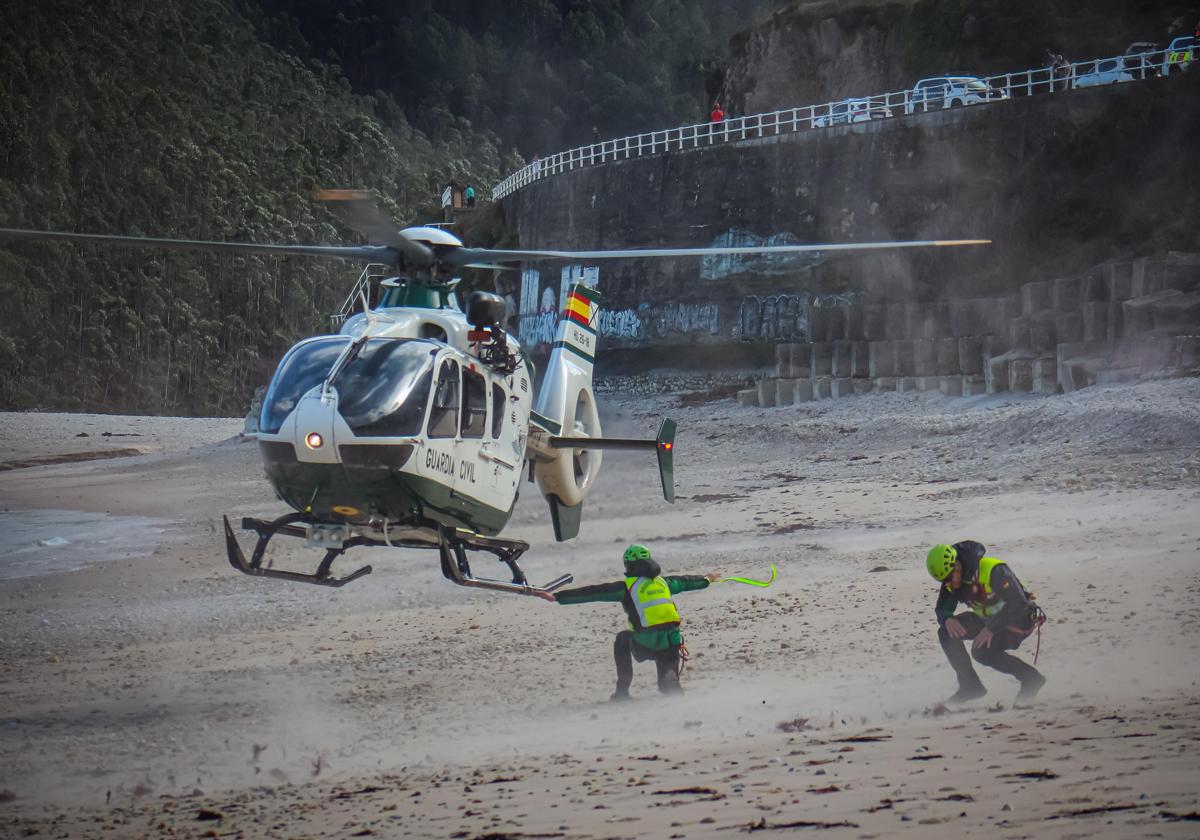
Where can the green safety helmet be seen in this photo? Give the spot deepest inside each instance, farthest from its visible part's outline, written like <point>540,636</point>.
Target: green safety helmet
<point>940,561</point>
<point>635,553</point>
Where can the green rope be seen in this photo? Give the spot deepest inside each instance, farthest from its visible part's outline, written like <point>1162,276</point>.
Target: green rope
<point>751,581</point>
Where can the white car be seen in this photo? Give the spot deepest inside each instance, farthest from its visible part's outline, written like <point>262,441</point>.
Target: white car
<point>1180,53</point>
<point>852,111</point>
<point>938,92</point>
<point>1109,71</point>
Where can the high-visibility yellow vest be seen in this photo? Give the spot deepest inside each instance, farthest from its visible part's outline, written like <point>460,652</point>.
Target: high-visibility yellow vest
<point>981,599</point>
<point>651,601</point>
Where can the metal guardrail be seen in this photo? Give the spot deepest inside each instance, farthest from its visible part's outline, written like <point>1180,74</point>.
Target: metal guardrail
<point>373,271</point>
<point>1041,80</point>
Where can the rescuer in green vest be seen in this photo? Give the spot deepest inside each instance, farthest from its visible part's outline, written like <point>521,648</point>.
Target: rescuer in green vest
<point>653,619</point>
<point>1001,616</point>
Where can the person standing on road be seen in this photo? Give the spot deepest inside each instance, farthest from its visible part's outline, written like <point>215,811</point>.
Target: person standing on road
<point>653,619</point>
<point>1001,616</point>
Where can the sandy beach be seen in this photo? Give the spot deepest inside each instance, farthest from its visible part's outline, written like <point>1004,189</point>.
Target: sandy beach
<point>149,690</point>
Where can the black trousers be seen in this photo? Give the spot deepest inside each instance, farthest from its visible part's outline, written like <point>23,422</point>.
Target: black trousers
<point>625,650</point>
<point>993,656</point>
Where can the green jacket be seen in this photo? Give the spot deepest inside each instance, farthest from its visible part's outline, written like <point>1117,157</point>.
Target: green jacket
<point>660,638</point>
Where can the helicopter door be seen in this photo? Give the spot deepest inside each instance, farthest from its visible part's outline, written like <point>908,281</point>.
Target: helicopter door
<point>441,448</point>
<point>472,479</point>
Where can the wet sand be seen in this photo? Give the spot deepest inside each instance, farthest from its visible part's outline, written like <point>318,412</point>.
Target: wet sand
<point>163,694</point>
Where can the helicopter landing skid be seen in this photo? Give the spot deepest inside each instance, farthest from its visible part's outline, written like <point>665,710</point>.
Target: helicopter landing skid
<point>453,546</point>
<point>287,525</point>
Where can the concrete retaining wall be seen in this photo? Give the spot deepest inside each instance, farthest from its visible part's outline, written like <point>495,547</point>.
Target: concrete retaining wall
<point>1119,321</point>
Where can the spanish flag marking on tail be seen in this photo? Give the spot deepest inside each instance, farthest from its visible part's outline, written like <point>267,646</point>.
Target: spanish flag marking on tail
<point>576,330</point>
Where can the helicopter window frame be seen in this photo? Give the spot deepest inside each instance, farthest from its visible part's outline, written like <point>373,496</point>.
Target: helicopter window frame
<point>473,418</point>
<point>499,401</point>
<point>443,415</point>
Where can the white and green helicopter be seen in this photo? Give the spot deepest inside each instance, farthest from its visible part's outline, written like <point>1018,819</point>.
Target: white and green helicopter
<point>413,426</point>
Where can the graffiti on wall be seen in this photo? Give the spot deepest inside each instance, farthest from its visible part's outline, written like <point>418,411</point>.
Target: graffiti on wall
<point>539,306</point>
<point>719,266</point>
<point>785,316</point>
<point>660,321</point>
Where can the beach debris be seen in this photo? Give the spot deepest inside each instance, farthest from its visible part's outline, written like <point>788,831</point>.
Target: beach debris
<point>763,825</point>
<point>799,724</point>
<point>206,815</point>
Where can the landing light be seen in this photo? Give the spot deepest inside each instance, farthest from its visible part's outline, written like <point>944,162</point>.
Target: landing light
<point>665,445</point>
<point>314,441</point>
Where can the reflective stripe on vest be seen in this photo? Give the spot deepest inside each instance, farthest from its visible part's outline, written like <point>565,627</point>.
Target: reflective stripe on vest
<point>652,602</point>
<point>983,601</point>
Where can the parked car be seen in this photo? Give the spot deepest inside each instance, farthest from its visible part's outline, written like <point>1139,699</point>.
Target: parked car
<point>852,111</point>
<point>940,92</point>
<point>1108,71</point>
<point>1180,53</point>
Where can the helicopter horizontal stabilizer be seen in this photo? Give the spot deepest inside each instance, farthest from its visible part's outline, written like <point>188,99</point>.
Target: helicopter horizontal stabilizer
<point>663,445</point>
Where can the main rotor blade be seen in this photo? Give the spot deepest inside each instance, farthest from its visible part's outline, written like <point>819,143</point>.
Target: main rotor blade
<point>361,253</point>
<point>360,210</point>
<point>486,254</point>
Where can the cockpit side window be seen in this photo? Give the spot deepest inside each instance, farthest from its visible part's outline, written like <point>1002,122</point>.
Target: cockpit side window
<point>302,369</point>
<point>443,418</point>
<point>474,415</point>
<point>499,406</point>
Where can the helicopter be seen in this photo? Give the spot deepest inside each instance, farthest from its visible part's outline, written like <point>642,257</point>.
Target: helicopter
<point>413,426</point>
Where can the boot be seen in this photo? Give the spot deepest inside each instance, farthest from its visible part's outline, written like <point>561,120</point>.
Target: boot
<point>1031,684</point>
<point>966,693</point>
<point>669,683</point>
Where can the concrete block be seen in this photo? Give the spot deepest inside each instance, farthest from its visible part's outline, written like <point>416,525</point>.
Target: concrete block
<point>1187,351</point>
<point>996,314</point>
<point>785,393</point>
<point>803,392</point>
<point>1035,297</point>
<point>935,320</point>
<point>929,383</point>
<point>1116,321</point>
<point>902,353</point>
<point>748,398</point>
<point>924,357</point>
<point>860,359</point>
<point>823,388</point>
<point>783,359</point>
<point>1177,312</point>
<point>1045,376</point>
<point>1138,313</point>
<point>1020,333</point>
<point>1093,289</point>
<point>885,383</point>
<point>1141,280</point>
<point>1020,375</point>
<point>882,359</point>
<point>767,392</point>
<point>841,365</point>
<point>822,359</point>
<point>960,318</point>
<point>801,360</point>
<point>1095,321</point>
<point>862,386</point>
<point>1155,352</point>
<point>1119,281</point>
<point>842,387</point>
<point>1067,294</point>
<point>973,386</point>
<point>1117,375</point>
<point>906,384</point>
<point>971,355</point>
<point>874,321</point>
<point>1068,326</point>
<point>950,386</point>
<point>1042,337</point>
<point>947,356</point>
<point>995,375</point>
<point>854,322</point>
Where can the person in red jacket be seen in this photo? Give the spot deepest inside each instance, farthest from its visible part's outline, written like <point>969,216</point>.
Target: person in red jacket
<point>717,114</point>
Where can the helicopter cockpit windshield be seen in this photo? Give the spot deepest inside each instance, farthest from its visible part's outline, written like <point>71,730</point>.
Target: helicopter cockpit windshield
<point>382,391</point>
